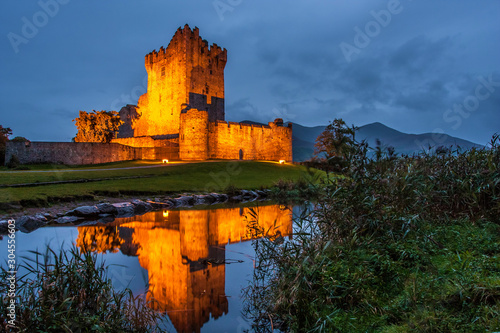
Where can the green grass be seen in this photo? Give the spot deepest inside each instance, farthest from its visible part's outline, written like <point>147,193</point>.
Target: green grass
<point>48,167</point>
<point>406,244</point>
<point>27,168</point>
<point>193,177</point>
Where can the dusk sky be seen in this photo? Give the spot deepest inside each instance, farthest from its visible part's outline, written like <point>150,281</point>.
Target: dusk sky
<point>417,66</point>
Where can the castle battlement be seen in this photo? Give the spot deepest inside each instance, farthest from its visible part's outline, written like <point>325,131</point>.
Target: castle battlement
<point>189,72</point>
<point>226,124</point>
<point>187,36</point>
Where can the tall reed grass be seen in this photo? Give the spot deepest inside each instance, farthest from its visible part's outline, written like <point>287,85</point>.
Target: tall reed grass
<point>399,244</point>
<point>69,291</point>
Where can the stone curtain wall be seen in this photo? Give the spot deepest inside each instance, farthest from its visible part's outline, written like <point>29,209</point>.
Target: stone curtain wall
<point>234,141</point>
<point>147,141</point>
<point>77,153</point>
<point>199,140</point>
<point>159,153</point>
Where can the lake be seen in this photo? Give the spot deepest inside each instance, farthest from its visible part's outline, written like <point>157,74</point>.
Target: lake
<point>195,262</point>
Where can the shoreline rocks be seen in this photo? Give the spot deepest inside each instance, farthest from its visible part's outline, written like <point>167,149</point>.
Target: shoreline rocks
<point>107,212</point>
<point>28,223</point>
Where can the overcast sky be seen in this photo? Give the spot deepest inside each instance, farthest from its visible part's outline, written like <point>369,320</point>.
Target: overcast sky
<point>417,66</point>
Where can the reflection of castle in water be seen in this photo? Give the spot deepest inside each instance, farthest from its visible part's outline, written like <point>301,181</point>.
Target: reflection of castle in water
<point>184,253</point>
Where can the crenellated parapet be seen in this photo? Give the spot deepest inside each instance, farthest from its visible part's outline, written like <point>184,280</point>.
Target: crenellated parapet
<point>191,38</point>
<point>187,71</point>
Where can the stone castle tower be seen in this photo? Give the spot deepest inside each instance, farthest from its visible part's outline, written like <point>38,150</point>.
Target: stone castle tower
<point>188,71</point>
<point>182,114</point>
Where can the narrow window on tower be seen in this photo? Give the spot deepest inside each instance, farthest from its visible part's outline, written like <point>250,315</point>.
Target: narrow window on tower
<point>160,97</point>
<point>163,71</point>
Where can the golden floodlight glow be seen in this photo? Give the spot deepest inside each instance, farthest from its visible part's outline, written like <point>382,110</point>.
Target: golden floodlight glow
<point>165,160</point>
<point>282,161</point>
<point>165,213</point>
<point>165,250</point>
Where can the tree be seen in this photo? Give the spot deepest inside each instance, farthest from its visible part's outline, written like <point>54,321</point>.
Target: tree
<point>20,139</point>
<point>334,146</point>
<point>4,137</point>
<point>97,126</point>
<point>335,142</point>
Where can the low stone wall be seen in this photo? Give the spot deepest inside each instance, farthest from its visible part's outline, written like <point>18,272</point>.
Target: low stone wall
<point>77,153</point>
<point>159,153</point>
<point>147,141</point>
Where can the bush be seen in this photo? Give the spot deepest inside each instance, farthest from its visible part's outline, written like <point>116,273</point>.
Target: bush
<point>231,190</point>
<point>5,132</point>
<point>20,139</point>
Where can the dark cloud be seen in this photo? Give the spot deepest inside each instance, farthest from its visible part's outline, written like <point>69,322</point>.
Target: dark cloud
<point>243,108</point>
<point>420,53</point>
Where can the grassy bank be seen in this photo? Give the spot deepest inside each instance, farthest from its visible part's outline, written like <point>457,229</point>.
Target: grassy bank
<point>213,176</point>
<point>55,167</point>
<point>398,245</point>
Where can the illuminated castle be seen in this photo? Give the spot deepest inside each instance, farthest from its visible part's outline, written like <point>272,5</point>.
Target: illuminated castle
<point>180,117</point>
<point>183,109</point>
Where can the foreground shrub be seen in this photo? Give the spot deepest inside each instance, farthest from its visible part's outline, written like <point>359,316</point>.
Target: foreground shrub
<point>397,245</point>
<point>70,292</point>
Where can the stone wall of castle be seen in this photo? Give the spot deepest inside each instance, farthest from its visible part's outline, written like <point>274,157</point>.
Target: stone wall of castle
<point>187,66</point>
<point>193,136</point>
<point>148,141</point>
<point>201,139</point>
<point>78,153</point>
<point>242,141</point>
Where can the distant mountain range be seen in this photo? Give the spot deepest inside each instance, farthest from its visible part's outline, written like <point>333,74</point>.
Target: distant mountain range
<point>403,143</point>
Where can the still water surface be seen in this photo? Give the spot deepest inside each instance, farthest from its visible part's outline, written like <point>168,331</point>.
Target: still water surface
<point>195,262</point>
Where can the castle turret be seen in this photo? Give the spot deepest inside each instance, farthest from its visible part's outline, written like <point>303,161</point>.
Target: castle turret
<point>193,135</point>
<point>187,71</point>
